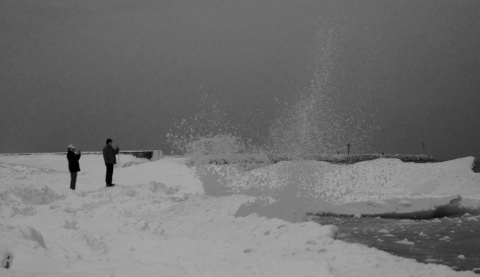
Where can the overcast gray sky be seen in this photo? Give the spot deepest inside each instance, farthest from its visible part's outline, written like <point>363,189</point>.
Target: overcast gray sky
<point>81,71</point>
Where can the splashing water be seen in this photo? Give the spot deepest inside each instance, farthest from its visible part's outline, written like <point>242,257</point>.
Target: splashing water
<point>303,128</point>
<point>208,132</point>
<point>311,126</point>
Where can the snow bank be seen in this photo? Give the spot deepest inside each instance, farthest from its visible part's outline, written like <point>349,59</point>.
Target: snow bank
<point>162,218</point>
<point>383,185</point>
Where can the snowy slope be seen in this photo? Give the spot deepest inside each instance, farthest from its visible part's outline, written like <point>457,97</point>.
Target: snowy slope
<point>162,219</point>
<point>371,187</point>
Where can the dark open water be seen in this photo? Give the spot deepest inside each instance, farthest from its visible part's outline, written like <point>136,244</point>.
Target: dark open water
<point>451,241</point>
<point>454,242</point>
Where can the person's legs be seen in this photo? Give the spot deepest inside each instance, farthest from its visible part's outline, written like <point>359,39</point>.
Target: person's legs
<point>111,174</point>
<point>108,177</point>
<point>73,180</point>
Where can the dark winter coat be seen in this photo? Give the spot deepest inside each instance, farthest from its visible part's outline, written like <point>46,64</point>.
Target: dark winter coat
<point>109,154</point>
<point>73,164</point>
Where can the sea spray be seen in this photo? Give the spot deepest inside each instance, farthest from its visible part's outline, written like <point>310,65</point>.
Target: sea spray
<point>198,132</point>
<point>211,137</point>
<point>224,160</point>
<point>317,123</point>
<point>304,127</point>
<point>312,125</point>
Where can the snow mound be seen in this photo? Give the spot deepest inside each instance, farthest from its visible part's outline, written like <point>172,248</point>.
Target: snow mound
<point>158,220</point>
<point>296,187</point>
<point>32,234</point>
<point>29,195</point>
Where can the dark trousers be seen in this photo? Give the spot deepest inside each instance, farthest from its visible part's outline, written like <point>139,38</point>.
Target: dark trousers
<point>109,176</point>
<point>73,180</point>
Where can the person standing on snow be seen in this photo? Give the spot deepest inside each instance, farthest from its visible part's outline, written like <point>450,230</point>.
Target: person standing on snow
<point>73,157</point>
<point>110,160</point>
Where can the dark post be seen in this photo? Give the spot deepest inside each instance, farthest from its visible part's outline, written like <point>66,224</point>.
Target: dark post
<point>423,147</point>
<point>348,149</point>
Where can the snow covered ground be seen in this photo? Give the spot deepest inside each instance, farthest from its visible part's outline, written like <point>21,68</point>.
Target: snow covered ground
<point>165,218</point>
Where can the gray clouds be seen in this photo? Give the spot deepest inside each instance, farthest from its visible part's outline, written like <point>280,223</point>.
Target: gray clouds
<point>81,71</point>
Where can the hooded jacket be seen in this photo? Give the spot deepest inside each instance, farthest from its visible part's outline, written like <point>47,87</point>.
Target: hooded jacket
<point>73,164</point>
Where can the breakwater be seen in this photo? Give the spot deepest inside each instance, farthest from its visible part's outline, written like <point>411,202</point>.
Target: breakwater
<point>260,159</point>
<point>143,154</point>
<point>353,158</point>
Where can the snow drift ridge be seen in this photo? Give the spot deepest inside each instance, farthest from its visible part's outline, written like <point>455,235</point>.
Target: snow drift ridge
<point>291,189</point>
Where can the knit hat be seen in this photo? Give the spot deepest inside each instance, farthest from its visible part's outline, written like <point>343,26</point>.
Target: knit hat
<point>71,146</point>
<point>109,140</point>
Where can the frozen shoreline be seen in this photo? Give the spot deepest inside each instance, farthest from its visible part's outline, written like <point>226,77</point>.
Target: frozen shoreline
<point>159,219</point>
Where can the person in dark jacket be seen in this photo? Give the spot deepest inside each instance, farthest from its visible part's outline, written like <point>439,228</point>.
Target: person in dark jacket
<point>110,160</point>
<point>73,157</point>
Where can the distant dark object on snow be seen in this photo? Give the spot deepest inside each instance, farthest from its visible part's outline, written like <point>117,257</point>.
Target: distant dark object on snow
<point>7,260</point>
